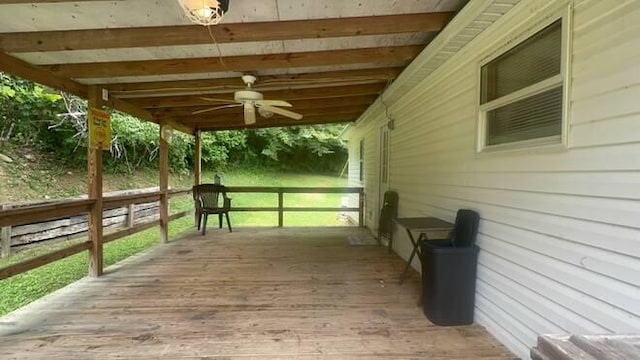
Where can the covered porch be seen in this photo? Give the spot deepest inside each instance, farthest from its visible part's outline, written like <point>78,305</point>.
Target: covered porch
<point>257,293</point>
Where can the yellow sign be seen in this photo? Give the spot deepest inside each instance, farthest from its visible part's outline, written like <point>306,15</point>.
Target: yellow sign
<point>99,129</point>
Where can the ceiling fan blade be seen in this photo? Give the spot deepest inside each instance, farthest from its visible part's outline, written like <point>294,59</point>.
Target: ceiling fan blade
<point>215,108</point>
<point>249,114</point>
<point>273,103</point>
<point>283,112</point>
<point>218,100</point>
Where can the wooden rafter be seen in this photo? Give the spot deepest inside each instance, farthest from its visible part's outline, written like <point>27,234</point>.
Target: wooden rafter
<point>239,124</point>
<point>289,95</point>
<point>25,70</point>
<point>141,113</point>
<point>238,114</point>
<point>223,33</point>
<point>374,56</point>
<point>129,108</point>
<point>234,83</point>
<point>166,89</point>
<point>297,105</point>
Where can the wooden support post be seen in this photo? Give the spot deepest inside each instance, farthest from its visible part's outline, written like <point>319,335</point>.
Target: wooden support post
<point>131,215</point>
<point>361,208</point>
<point>197,168</point>
<point>280,208</point>
<point>5,236</point>
<point>94,192</point>
<point>197,159</point>
<point>164,187</point>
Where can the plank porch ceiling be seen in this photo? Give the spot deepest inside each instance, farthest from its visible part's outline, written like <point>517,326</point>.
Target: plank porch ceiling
<point>330,59</point>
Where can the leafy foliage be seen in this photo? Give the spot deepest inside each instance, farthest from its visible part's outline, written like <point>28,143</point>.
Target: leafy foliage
<point>305,148</point>
<point>26,110</point>
<point>31,114</point>
<point>218,147</point>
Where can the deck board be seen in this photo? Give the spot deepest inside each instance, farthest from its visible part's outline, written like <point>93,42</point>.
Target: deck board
<point>294,293</point>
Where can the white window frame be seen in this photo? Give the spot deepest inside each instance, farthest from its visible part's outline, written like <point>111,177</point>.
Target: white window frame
<point>534,89</point>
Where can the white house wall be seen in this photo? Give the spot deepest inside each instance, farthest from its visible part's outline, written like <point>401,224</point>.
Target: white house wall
<point>560,229</point>
<point>371,171</point>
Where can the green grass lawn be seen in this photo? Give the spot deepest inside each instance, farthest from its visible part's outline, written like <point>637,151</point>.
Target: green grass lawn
<point>290,200</point>
<point>22,289</point>
<point>271,199</point>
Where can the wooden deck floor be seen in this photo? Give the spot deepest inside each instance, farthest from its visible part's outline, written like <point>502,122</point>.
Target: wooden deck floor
<point>255,293</point>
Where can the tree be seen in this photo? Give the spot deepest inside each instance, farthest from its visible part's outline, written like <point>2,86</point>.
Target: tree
<point>308,148</point>
<point>26,110</point>
<point>37,116</point>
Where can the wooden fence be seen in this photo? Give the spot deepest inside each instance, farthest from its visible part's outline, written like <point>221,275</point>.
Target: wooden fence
<point>74,226</point>
<point>52,212</point>
<point>281,191</point>
<point>72,207</point>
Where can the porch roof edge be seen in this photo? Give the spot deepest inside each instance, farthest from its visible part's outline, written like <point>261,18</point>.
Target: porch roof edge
<point>470,22</point>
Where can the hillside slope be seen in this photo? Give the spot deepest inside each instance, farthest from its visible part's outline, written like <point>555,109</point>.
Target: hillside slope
<point>29,175</point>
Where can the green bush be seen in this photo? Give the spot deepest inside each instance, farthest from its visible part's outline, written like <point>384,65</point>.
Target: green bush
<point>27,110</point>
<point>34,115</point>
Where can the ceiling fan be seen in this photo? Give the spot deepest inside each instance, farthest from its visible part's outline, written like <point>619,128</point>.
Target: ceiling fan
<point>250,100</point>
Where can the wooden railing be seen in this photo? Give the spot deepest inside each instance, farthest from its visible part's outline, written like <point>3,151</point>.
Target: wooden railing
<point>18,216</point>
<point>74,226</point>
<point>31,214</point>
<point>281,191</point>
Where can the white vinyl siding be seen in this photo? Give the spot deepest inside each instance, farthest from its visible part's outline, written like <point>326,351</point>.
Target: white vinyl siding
<point>368,141</point>
<point>384,158</point>
<point>361,164</point>
<point>560,228</point>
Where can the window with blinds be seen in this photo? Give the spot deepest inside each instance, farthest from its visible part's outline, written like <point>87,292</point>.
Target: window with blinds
<point>521,92</point>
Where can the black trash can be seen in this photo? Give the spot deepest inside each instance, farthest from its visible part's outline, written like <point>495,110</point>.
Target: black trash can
<point>448,282</point>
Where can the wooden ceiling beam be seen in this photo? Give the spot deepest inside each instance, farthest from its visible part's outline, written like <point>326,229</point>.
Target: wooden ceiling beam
<point>239,124</point>
<point>238,113</point>
<point>235,83</point>
<point>247,63</point>
<point>298,105</point>
<point>239,116</point>
<point>129,108</point>
<point>181,127</point>
<point>288,95</point>
<point>223,33</point>
<point>18,67</point>
<point>134,110</point>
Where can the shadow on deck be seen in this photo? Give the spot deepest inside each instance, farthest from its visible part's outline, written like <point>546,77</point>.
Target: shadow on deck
<point>257,293</point>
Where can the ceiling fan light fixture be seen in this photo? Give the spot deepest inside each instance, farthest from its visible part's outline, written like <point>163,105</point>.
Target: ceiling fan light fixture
<point>251,100</point>
<point>204,12</point>
<point>265,113</point>
<point>249,113</point>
